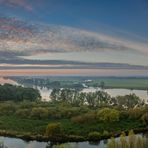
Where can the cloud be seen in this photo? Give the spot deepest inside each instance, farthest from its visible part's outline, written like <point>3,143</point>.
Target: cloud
<point>17,3</point>
<point>19,63</point>
<point>21,38</point>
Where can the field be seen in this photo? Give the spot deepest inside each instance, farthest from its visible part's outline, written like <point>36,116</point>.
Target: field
<point>76,82</point>
<point>129,83</point>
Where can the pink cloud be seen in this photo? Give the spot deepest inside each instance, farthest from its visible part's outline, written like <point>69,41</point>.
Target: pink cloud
<point>17,3</point>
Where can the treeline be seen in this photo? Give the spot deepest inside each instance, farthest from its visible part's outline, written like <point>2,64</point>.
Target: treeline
<point>48,83</point>
<point>18,93</point>
<point>94,99</point>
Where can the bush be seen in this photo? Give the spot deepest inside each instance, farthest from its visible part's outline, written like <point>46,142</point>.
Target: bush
<point>105,133</point>
<point>53,129</point>
<point>108,115</point>
<point>144,118</point>
<point>94,136</point>
<point>22,112</point>
<point>7,109</point>
<point>39,113</point>
<point>88,117</point>
<point>135,113</point>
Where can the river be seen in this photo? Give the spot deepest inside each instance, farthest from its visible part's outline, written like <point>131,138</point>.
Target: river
<point>45,92</point>
<point>19,143</point>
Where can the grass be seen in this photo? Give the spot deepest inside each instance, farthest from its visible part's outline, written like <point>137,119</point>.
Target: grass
<point>127,83</point>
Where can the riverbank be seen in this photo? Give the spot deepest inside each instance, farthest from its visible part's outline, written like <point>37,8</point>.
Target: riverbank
<point>64,138</point>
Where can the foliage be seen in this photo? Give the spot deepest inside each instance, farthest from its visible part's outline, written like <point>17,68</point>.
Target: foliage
<point>132,141</point>
<point>94,136</point>
<point>144,118</point>
<point>88,117</point>
<point>128,101</point>
<point>22,112</point>
<point>108,115</point>
<point>53,129</point>
<point>94,99</point>
<point>64,146</point>
<point>18,93</point>
<point>73,97</point>
<point>105,133</point>
<point>135,113</point>
<point>39,113</point>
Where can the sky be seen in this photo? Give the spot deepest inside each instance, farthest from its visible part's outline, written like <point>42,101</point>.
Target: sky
<point>74,37</point>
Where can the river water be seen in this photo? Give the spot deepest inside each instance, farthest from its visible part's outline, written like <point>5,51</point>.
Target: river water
<point>19,143</point>
<point>45,92</point>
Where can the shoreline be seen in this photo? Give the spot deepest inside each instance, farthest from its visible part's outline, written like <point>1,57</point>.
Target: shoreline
<point>64,138</point>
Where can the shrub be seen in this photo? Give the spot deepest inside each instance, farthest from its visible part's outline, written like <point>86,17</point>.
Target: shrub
<point>53,129</point>
<point>94,136</point>
<point>135,113</point>
<point>144,118</point>
<point>22,112</point>
<point>105,133</point>
<point>108,115</point>
<point>84,118</point>
<point>7,109</point>
<point>39,113</point>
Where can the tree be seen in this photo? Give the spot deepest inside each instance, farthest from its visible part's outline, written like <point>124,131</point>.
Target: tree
<point>102,85</point>
<point>128,101</point>
<point>123,141</point>
<point>135,113</point>
<point>18,93</point>
<point>39,113</point>
<point>111,143</point>
<point>94,136</point>
<point>108,115</point>
<point>55,95</point>
<point>53,129</point>
<point>144,118</point>
<point>131,139</point>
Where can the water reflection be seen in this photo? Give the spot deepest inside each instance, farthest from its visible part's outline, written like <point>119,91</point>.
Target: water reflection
<point>19,143</point>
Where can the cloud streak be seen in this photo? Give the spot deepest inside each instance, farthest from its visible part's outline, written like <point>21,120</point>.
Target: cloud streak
<point>24,38</point>
<point>17,3</point>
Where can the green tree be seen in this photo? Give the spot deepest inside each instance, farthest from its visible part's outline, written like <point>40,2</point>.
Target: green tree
<point>94,136</point>
<point>131,139</point>
<point>39,113</point>
<point>53,129</point>
<point>108,115</point>
<point>111,143</point>
<point>144,118</point>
